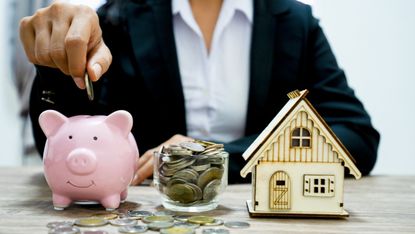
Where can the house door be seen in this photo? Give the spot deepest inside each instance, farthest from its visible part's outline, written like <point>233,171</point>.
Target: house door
<point>280,193</point>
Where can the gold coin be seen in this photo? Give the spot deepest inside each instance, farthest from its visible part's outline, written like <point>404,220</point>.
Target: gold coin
<point>211,190</point>
<point>182,193</point>
<point>106,216</point>
<point>201,219</point>
<point>91,222</point>
<point>177,230</point>
<point>209,175</point>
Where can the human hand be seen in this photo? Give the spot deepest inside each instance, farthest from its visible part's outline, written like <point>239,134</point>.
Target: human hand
<point>67,37</point>
<point>145,163</point>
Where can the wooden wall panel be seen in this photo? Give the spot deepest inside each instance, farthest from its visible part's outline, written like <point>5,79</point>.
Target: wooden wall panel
<point>280,149</point>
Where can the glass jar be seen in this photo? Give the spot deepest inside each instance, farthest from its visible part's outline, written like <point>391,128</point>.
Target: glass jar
<point>191,176</point>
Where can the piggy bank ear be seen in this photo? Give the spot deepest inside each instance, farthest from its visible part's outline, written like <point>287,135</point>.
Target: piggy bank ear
<point>50,121</point>
<point>121,120</point>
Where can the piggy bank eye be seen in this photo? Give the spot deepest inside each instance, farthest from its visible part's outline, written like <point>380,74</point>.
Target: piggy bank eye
<point>95,138</point>
<point>70,137</point>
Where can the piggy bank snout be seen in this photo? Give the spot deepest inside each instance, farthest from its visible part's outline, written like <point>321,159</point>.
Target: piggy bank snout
<point>81,161</point>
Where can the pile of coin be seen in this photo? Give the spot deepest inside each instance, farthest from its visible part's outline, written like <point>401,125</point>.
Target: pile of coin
<point>139,221</point>
<point>192,172</point>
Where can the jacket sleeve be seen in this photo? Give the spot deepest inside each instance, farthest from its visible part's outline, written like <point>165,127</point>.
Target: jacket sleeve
<point>336,101</point>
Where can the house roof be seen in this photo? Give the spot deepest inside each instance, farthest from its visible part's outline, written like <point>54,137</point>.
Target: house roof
<point>295,98</point>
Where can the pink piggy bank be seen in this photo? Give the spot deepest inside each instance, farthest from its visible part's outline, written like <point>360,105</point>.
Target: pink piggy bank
<point>89,158</point>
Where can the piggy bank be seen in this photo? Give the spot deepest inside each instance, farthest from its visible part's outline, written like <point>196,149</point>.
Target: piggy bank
<point>88,158</point>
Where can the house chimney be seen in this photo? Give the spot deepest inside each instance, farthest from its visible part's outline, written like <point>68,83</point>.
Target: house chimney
<point>294,94</point>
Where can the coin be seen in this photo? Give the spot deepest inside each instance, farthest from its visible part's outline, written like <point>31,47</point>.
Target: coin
<point>164,213</point>
<point>187,225</point>
<point>217,222</point>
<point>155,226</point>
<point>209,175</point>
<point>123,222</point>
<point>89,87</point>
<point>182,193</point>
<point>182,218</point>
<point>91,222</point>
<point>182,152</point>
<point>215,231</point>
<point>161,218</point>
<point>106,216</point>
<point>95,232</point>
<point>65,230</point>
<point>211,190</point>
<point>178,230</point>
<point>201,219</point>
<point>59,224</point>
<point>204,143</point>
<point>201,164</point>
<point>133,229</point>
<point>193,146</point>
<point>188,175</point>
<point>237,224</point>
<point>138,214</point>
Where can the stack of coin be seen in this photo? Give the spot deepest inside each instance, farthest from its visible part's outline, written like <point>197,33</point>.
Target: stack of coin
<point>192,172</point>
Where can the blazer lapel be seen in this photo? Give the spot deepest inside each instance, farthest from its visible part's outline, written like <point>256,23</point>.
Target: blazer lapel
<point>151,31</point>
<point>262,49</point>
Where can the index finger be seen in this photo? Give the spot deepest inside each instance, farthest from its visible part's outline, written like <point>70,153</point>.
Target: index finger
<point>76,45</point>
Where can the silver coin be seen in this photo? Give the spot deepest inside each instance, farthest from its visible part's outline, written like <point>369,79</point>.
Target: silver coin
<point>164,213</point>
<point>95,232</point>
<point>89,87</point>
<point>59,224</point>
<point>237,224</point>
<point>123,222</point>
<point>182,218</point>
<point>217,222</point>
<point>215,231</point>
<point>86,202</point>
<point>186,224</point>
<point>139,213</point>
<point>133,229</point>
<point>182,152</point>
<point>193,146</point>
<point>161,218</point>
<point>65,230</point>
<point>155,226</point>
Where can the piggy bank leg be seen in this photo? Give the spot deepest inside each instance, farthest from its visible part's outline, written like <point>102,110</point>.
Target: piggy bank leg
<point>111,202</point>
<point>60,202</point>
<point>124,195</point>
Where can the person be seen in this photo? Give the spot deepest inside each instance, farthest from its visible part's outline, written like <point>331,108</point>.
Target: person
<point>215,70</point>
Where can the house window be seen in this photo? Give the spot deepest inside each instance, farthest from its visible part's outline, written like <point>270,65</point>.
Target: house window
<point>300,137</point>
<point>319,185</point>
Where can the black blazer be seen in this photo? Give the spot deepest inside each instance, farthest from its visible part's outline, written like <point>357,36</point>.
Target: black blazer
<point>289,51</point>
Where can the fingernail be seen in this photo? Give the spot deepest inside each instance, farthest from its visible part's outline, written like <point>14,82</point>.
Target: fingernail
<point>97,70</point>
<point>79,82</point>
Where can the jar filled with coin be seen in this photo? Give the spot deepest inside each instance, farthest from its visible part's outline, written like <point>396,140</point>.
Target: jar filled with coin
<point>191,175</point>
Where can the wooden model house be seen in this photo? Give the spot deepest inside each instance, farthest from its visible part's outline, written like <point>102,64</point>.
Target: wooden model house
<point>297,164</point>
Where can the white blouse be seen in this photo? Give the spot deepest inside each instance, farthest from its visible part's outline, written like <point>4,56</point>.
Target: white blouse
<point>215,84</point>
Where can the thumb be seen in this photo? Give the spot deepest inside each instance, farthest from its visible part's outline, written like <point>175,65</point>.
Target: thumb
<point>99,60</point>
